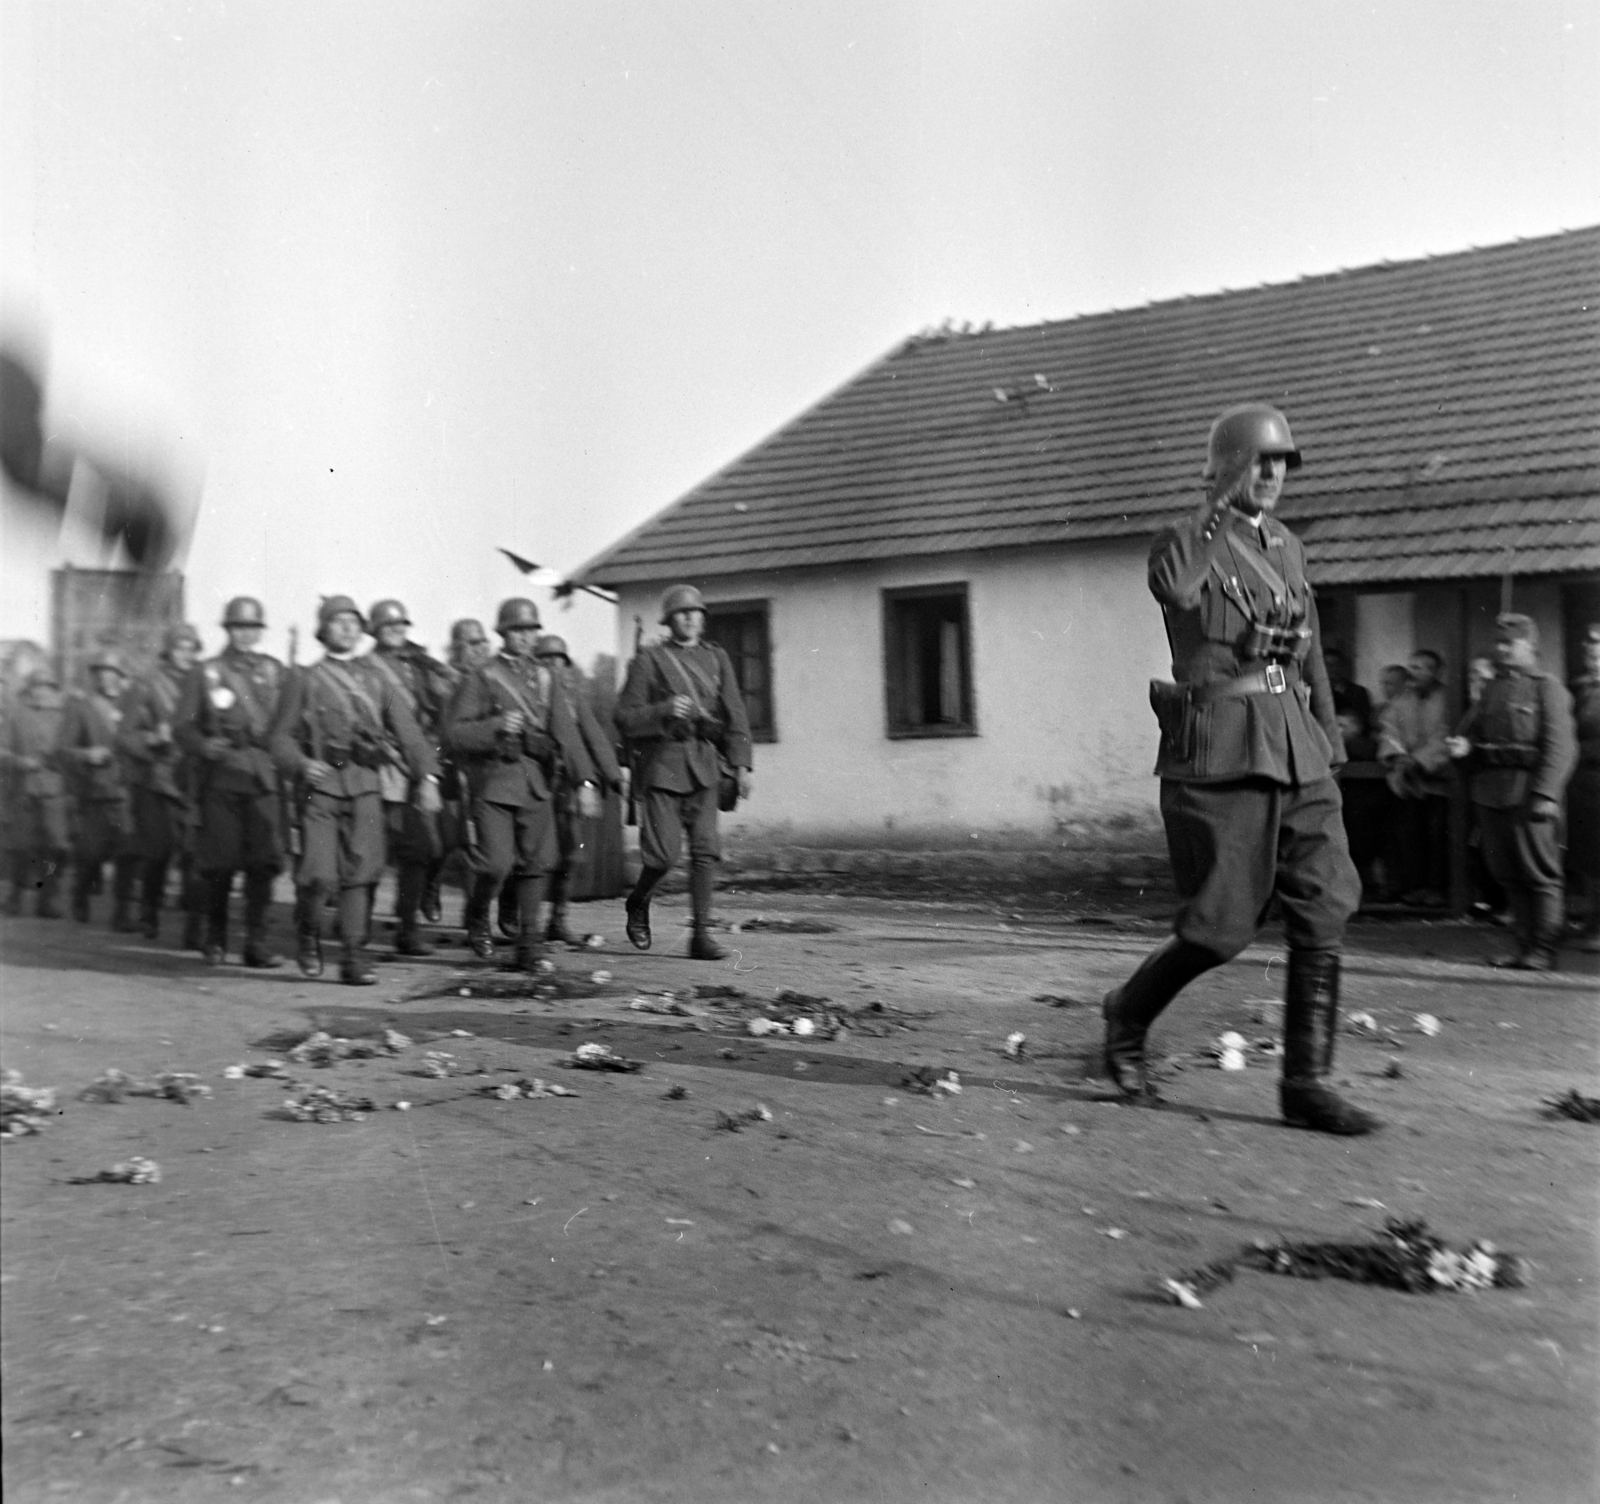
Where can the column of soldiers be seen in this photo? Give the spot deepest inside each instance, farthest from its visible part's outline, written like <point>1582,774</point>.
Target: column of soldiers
<point>233,766</point>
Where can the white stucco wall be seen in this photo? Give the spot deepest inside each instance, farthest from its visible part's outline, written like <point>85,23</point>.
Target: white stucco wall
<point>1064,642</point>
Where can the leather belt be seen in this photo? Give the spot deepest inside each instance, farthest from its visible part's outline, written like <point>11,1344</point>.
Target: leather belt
<point>1274,679</point>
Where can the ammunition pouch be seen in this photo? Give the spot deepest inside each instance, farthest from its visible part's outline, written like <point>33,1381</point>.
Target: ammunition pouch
<point>1262,641</point>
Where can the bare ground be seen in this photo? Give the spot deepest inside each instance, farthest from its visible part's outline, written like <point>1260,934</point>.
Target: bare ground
<point>874,1295</point>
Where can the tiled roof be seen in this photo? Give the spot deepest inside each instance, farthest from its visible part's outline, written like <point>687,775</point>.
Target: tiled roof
<point>1448,410</point>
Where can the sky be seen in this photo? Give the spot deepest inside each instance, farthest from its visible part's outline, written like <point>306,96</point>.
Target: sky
<point>379,288</point>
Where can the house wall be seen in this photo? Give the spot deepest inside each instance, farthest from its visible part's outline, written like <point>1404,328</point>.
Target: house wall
<point>1063,644</point>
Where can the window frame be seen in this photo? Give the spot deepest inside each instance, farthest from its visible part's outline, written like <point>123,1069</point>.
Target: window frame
<point>895,693</point>
<point>768,734</point>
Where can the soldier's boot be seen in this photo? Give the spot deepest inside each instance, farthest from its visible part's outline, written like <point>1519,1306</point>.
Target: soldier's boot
<point>49,889</point>
<point>21,875</point>
<point>309,901</point>
<point>194,908</point>
<point>530,896</point>
<point>218,886</point>
<point>84,878</point>
<point>637,908</point>
<point>1310,1023</point>
<point>257,901</point>
<point>124,878</point>
<point>408,940</point>
<point>556,931</point>
<point>152,892</point>
<point>1129,1010</point>
<point>355,906</point>
<point>701,946</point>
<point>431,905</point>
<point>506,909</point>
<point>479,898</point>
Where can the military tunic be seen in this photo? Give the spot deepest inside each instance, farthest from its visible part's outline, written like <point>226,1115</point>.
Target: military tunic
<point>35,789</point>
<point>1250,742</point>
<point>425,686</point>
<point>1522,749</point>
<point>1583,792</point>
<point>153,765</point>
<point>89,729</point>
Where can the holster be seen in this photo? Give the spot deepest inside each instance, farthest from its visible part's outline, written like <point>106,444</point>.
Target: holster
<point>1174,708</point>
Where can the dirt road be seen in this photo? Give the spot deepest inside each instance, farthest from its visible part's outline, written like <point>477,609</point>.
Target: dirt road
<point>873,1294</point>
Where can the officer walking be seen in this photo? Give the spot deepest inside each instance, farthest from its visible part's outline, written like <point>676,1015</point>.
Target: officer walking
<point>415,847</point>
<point>1249,745</point>
<point>1518,746</point>
<point>35,792</point>
<point>573,831</point>
<point>223,720</point>
<point>156,778</point>
<point>683,718</point>
<point>88,754</point>
<point>512,728</point>
<point>336,726</point>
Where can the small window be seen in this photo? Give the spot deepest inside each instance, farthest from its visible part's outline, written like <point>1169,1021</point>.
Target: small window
<point>739,628</point>
<point>928,662</point>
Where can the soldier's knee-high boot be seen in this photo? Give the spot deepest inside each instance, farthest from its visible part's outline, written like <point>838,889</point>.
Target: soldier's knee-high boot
<point>1310,1022</point>
<point>409,881</point>
<point>194,906</point>
<point>556,930</point>
<point>50,886</point>
<point>125,876</point>
<point>355,907</point>
<point>638,906</point>
<point>702,947</point>
<point>432,877</point>
<point>1130,1009</point>
<point>257,900</point>
<point>480,896</point>
<point>309,901</point>
<point>530,895</point>
<point>85,875</point>
<point>152,890</point>
<point>218,886</point>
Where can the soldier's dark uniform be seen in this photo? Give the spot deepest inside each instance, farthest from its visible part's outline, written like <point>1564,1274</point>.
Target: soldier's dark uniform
<point>35,793</point>
<point>513,776</point>
<point>346,714</point>
<point>1583,792</point>
<point>1522,751</point>
<point>223,720</point>
<point>573,828</point>
<point>103,825</point>
<point>158,786</point>
<point>416,848</point>
<point>1249,746</point>
<point>678,764</point>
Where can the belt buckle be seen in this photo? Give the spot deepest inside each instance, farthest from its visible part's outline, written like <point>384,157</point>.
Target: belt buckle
<point>1276,681</point>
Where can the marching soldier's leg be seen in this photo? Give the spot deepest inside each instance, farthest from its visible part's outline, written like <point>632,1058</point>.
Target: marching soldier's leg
<point>193,886</point>
<point>52,865</point>
<point>1310,1023</point>
<point>124,878</point>
<point>21,874</point>
<point>85,877</point>
<point>410,879</point>
<point>556,931</point>
<point>538,850</point>
<point>218,885</point>
<point>430,904</point>
<point>361,861</point>
<point>354,968</point>
<point>660,837</point>
<point>705,851</point>
<point>498,853</point>
<point>152,890</point>
<point>1544,884</point>
<point>1130,1010</point>
<point>53,856</point>
<point>257,902</point>
<point>530,896</point>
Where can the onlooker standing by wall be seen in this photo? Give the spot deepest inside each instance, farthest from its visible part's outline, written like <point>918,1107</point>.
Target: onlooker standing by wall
<point>1411,745</point>
<point>1488,898</point>
<point>1583,794</point>
<point>1366,799</point>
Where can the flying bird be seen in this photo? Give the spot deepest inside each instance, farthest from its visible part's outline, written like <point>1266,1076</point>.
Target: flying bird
<point>524,566</point>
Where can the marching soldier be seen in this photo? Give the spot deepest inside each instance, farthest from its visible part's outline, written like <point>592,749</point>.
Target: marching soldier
<point>35,791</point>
<point>513,730</point>
<point>684,721</point>
<point>338,725</point>
<point>222,725</point>
<point>415,846</point>
<point>1249,745</point>
<point>572,830</point>
<point>88,754</point>
<point>154,773</point>
<point>1519,749</point>
<point>470,648</point>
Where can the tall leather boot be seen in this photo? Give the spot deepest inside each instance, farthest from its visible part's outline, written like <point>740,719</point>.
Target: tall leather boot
<point>480,896</point>
<point>409,881</point>
<point>556,931</point>
<point>152,890</point>
<point>530,894</point>
<point>1310,1021</point>
<point>218,885</point>
<point>355,970</point>
<point>309,901</point>
<point>506,910</point>
<point>702,947</point>
<point>637,908</point>
<point>125,874</point>
<point>50,886</point>
<point>431,904</point>
<point>257,900</point>
<point>85,875</point>
<point>194,907</point>
<point>1130,1009</point>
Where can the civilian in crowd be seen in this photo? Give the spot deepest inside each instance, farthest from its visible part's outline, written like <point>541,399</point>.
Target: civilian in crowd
<point>1412,729</point>
<point>1487,896</point>
<point>1367,802</point>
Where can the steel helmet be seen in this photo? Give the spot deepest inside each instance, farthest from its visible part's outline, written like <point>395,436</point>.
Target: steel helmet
<point>107,658</point>
<point>468,629</point>
<point>244,611</point>
<point>337,605</point>
<point>680,598</point>
<point>516,612</point>
<point>180,632</point>
<point>551,646</point>
<point>1244,432</point>
<point>388,614</point>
